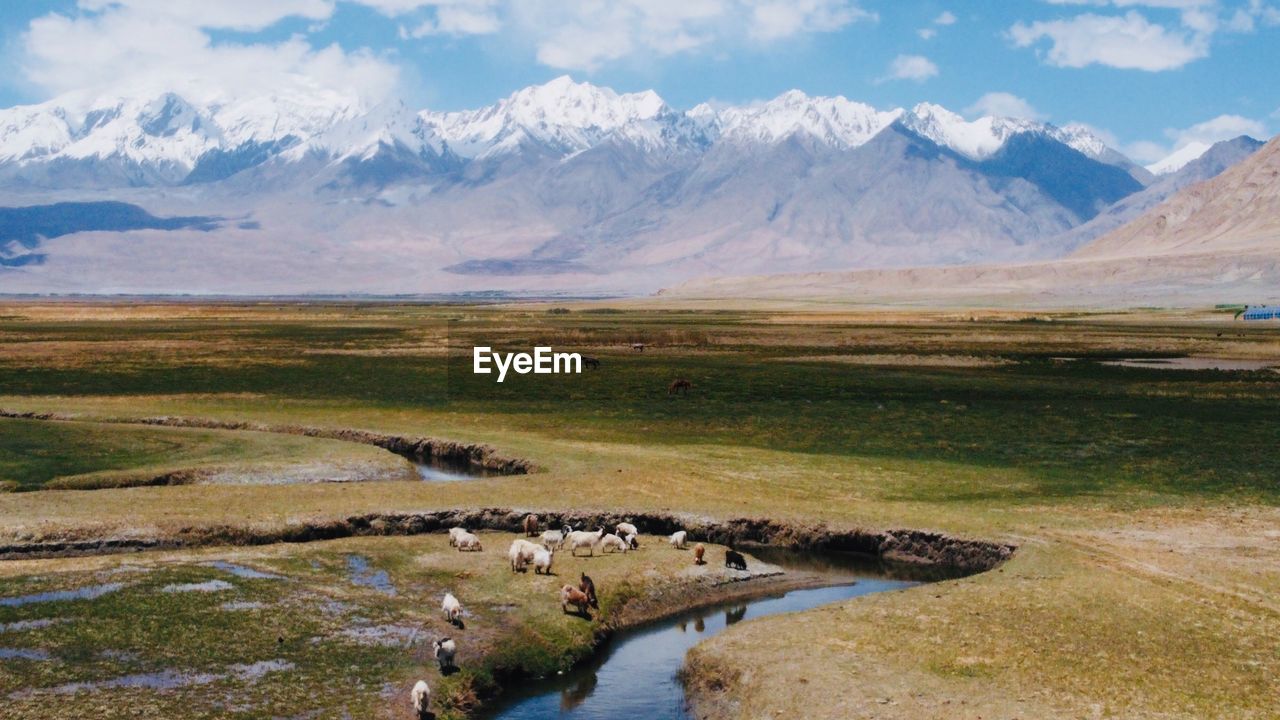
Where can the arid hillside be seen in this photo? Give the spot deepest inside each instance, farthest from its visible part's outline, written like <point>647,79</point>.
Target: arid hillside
<point>1238,211</point>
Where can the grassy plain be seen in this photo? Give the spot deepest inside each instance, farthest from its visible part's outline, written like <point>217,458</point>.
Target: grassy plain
<point>1144,502</point>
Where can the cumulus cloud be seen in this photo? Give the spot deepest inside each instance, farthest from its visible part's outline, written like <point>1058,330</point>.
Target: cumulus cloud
<point>139,47</point>
<point>244,15</point>
<point>944,19</point>
<point>1247,19</point>
<point>911,67</point>
<point>1003,104</point>
<point>1222,127</point>
<point>585,34</point>
<point>456,18</point>
<point>1128,42</point>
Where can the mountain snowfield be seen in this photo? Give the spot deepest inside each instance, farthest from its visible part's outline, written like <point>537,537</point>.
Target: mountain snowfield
<point>563,186</point>
<point>561,117</point>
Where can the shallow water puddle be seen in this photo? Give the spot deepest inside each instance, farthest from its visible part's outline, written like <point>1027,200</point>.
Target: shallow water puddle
<point>36,654</point>
<point>383,635</point>
<point>254,671</point>
<point>242,571</point>
<point>164,679</point>
<point>85,593</point>
<point>360,572</point>
<point>236,605</point>
<point>24,625</point>
<point>1192,363</point>
<point>206,586</point>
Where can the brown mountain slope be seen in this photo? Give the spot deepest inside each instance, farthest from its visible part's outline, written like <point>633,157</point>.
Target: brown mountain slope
<point>1238,211</point>
<point>1215,242</point>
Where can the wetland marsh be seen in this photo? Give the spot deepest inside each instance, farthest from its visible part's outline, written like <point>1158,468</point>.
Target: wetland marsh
<point>1142,502</point>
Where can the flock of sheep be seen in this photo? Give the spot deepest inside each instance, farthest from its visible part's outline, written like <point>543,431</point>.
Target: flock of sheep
<point>524,552</point>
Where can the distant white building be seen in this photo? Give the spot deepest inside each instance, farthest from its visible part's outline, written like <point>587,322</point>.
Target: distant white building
<point>1261,312</point>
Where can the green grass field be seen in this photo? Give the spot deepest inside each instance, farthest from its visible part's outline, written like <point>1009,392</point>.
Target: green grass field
<point>1144,501</point>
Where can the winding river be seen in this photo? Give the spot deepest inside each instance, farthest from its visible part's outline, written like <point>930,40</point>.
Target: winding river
<point>634,674</point>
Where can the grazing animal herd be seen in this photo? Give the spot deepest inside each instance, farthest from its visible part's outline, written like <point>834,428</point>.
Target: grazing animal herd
<point>577,600</point>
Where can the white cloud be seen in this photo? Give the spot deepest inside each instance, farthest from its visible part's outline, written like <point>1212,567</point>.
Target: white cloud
<point>1003,104</point>
<point>946,18</point>
<point>395,8</point>
<point>1246,19</point>
<point>911,67</point>
<point>461,17</point>
<point>1127,42</point>
<point>1223,127</point>
<point>245,15</point>
<point>133,47</point>
<point>585,34</point>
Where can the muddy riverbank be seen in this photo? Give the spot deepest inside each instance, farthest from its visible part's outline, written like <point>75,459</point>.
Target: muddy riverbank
<point>911,546</point>
<point>483,459</point>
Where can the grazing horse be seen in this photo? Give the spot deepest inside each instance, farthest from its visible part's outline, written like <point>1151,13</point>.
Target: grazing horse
<point>679,385</point>
<point>590,362</point>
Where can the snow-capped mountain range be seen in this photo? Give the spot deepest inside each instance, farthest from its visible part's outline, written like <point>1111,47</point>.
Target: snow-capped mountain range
<point>167,137</point>
<point>563,185</point>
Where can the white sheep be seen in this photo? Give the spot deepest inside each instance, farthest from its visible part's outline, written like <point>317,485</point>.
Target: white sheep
<point>632,542</point>
<point>452,608</point>
<point>521,553</point>
<point>583,539</point>
<point>444,649</point>
<point>421,699</point>
<point>613,541</point>
<point>553,539</point>
<point>469,542</point>
<point>542,561</point>
<point>453,535</point>
<point>678,538</point>
<point>625,529</point>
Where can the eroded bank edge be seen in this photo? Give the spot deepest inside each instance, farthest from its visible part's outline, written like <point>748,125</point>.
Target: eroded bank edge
<point>421,449</point>
<point>912,546</point>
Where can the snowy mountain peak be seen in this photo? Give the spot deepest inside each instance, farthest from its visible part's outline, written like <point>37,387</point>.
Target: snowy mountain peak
<point>1082,138</point>
<point>835,121</point>
<point>561,116</point>
<point>162,138</point>
<point>977,139</point>
<point>1179,158</point>
<point>390,125</point>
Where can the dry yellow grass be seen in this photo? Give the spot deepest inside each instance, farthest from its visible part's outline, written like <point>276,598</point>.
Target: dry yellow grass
<point>1125,600</point>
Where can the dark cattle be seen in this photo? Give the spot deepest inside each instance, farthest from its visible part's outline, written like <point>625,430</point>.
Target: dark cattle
<point>590,362</point>
<point>733,559</point>
<point>678,386</point>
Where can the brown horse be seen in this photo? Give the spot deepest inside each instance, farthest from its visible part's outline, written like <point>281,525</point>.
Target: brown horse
<point>679,385</point>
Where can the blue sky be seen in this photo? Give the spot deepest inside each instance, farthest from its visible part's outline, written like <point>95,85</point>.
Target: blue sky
<point>1150,75</point>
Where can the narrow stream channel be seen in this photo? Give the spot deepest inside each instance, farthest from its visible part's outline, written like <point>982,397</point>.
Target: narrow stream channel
<point>634,674</point>
<point>438,470</point>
